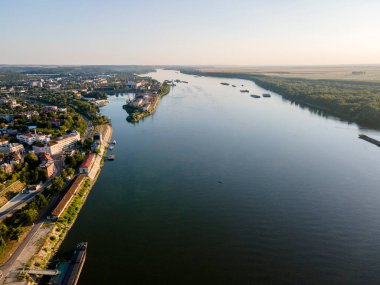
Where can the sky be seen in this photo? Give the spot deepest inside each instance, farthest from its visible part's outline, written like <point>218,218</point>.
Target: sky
<point>190,32</point>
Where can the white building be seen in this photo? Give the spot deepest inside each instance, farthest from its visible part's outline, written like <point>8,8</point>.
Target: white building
<point>5,146</point>
<point>29,114</point>
<point>58,145</point>
<point>36,83</point>
<point>30,138</point>
<point>14,147</point>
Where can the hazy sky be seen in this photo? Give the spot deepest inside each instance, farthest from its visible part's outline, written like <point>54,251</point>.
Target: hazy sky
<point>241,32</point>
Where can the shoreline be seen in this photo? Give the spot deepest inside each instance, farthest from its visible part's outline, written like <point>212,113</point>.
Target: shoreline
<point>86,193</point>
<point>55,232</point>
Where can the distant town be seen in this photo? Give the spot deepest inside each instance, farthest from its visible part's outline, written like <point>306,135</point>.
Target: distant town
<point>53,142</point>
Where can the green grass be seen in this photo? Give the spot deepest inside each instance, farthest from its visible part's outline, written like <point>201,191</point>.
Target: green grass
<point>72,211</point>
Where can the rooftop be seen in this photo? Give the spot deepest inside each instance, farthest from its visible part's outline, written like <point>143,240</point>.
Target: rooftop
<point>69,194</point>
<point>87,162</point>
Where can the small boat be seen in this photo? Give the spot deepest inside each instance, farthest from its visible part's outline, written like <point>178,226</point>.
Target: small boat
<point>111,147</point>
<point>114,142</point>
<point>170,82</point>
<point>111,157</point>
<point>244,91</point>
<point>266,95</point>
<point>255,96</point>
<point>225,83</point>
<point>233,85</point>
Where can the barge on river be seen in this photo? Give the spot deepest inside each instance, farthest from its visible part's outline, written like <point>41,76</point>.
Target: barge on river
<point>369,139</point>
<point>76,265</point>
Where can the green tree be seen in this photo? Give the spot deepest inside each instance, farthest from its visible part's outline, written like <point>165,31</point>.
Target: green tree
<point>58,184</point>
<point>15,233</point>
<point>29,216</point>
<point>32,160</point>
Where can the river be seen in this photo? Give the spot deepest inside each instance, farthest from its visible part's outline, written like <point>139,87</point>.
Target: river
<point>220,188</point>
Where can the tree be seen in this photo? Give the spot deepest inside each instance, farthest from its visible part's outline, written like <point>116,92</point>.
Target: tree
<point>39,202</point>
<point>58,184</point>
<point>70,161</point>
<point>3,230</point>
<point>32,160</point>
<point>15,233</point>
<point>70,171</point>
<point>3,176</point>
<point>40,174</point>
<point>29,216</point>
<point>2,242</point>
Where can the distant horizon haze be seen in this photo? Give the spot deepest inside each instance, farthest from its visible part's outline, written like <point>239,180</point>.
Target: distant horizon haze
<point>195,33</point>
<point>199,65</point>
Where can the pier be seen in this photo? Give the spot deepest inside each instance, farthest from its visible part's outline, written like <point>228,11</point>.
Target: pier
<point>46,272</point>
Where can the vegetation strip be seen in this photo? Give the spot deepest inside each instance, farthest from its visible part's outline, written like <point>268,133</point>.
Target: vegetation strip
<point>353,101</point>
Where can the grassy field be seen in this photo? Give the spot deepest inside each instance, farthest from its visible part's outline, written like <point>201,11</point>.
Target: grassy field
<point>340,72</point>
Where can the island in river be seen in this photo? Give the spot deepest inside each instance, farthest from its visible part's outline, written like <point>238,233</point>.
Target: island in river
<point>342,92</point>
<point>144,104</point>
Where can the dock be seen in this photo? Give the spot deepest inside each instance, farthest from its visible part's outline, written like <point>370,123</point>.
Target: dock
<point>76,265</point>
<point>45,272</point>
<point>369,139</point>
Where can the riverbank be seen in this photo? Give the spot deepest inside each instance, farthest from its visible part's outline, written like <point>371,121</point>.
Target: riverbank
<point>137,111</point>
<point>47,240</point>
<point>352,101</point>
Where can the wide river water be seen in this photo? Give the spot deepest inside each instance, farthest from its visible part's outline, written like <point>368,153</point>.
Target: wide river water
<point>220,188</point>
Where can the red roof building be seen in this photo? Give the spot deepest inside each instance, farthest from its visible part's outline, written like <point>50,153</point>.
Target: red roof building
<point>66,199</point>
<point>87,164</point>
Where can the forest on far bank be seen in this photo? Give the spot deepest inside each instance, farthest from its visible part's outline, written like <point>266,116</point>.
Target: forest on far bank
<point>353,101</point>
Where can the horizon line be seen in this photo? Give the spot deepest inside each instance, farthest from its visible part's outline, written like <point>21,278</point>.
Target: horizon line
<point>193,65</point>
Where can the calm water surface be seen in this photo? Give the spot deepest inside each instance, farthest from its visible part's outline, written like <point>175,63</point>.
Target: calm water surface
<point>220,188</point>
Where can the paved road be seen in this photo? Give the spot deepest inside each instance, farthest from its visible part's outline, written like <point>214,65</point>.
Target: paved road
<point>17,202</point>
<point>7,266</point>
<point>20,200</point>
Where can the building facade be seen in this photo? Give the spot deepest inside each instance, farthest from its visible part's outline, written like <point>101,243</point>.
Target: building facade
<point>58,145</point>
<point>87,164</point>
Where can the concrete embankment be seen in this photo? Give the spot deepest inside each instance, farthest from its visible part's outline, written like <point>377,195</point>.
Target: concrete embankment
<point>106,132</point>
